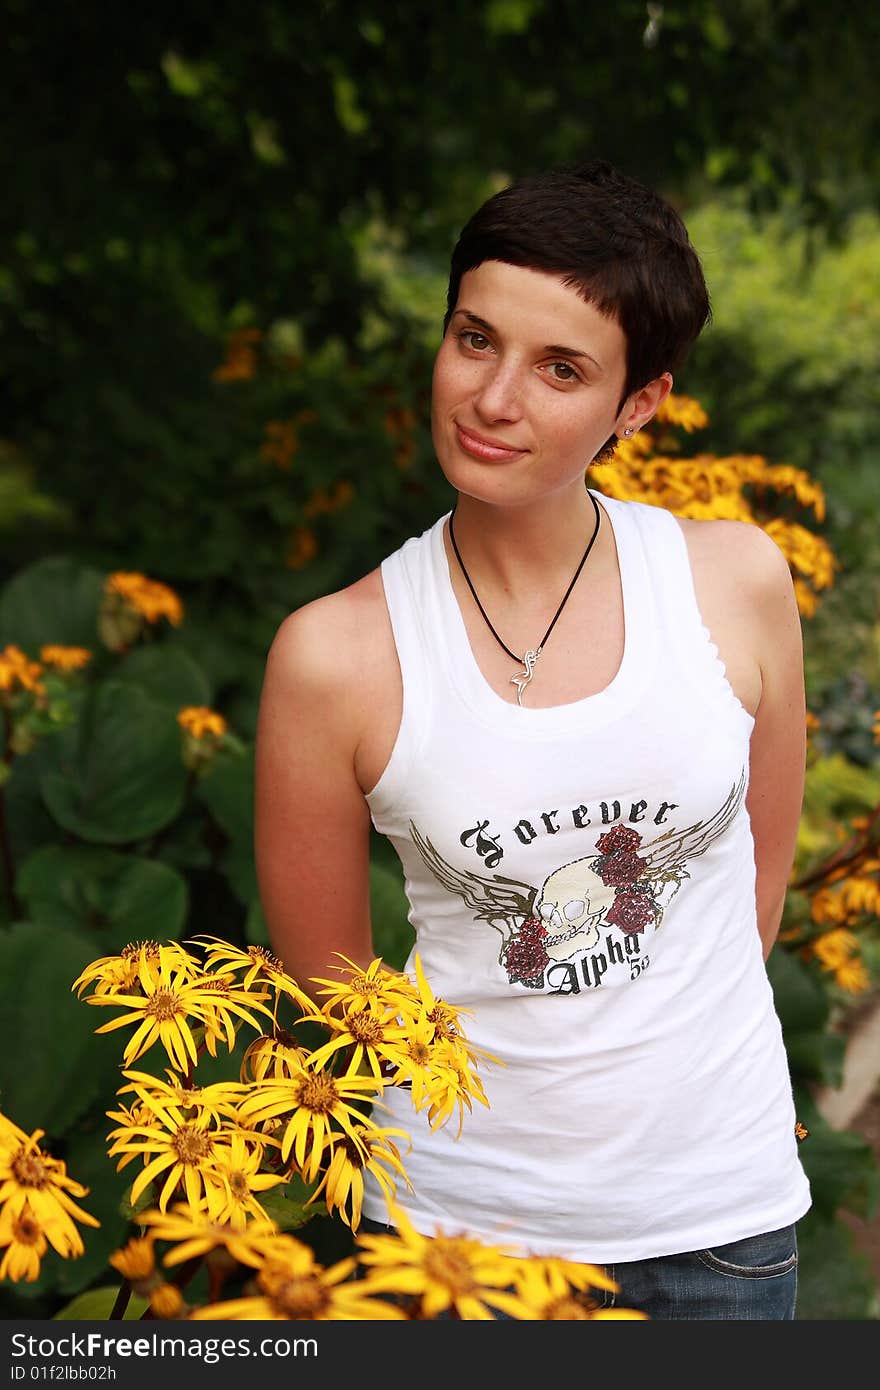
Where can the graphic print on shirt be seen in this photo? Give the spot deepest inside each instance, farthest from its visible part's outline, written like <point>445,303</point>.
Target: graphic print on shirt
<point>548,932</point>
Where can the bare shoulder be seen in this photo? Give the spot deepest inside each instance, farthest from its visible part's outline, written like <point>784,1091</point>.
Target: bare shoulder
<point>334,639</point>
<point>739,557</point>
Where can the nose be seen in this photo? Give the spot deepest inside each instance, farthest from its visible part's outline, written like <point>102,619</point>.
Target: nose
<point>499,394</point>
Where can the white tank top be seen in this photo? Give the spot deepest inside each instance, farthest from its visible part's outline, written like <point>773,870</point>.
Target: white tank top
<point>581,878</point>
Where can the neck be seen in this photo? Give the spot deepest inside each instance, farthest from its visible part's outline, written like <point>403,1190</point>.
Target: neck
<point>524,548</point>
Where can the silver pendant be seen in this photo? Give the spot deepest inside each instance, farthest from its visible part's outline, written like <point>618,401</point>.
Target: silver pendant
<point>522,678</point>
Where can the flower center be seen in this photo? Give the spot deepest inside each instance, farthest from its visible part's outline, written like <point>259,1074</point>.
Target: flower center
<point>301,1297</point>
<point>192,1145</point>
<point>133,950</point>
<point>317,1093</point>
<point>364,1027</point>
<point>29,1170</point>
<point>567,1309</point>
<point>420,1054</point>
<point>238,1185</point>
<point>446,1263</point>
<point>260,956</point>
<point>26,1231</point>
<point>164,1005</point>
<point>443,1020</point>
<point>361,984</point>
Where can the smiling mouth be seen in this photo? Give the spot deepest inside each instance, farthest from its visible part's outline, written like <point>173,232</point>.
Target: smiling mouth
<point>485,448</point>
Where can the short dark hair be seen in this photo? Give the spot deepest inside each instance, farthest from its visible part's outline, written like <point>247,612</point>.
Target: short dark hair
<point>620,244</point>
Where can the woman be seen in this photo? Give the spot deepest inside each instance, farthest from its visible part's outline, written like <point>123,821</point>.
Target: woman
<point>581,724</point>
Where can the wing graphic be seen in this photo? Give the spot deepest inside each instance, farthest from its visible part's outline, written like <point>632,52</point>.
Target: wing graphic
<point>493,900</point>
<point>667,856</point>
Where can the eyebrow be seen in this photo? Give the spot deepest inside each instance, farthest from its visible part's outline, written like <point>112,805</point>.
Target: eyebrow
<point>556,349</point>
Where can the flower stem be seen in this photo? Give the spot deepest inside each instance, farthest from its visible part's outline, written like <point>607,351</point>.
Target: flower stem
<point>122,1298</point>
<point>5,845</point>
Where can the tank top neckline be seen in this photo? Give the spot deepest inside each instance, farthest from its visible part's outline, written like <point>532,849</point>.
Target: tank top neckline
<point>604,706</point>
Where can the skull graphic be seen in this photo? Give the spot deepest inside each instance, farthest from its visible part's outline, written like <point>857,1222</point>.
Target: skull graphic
<point>571,904</point>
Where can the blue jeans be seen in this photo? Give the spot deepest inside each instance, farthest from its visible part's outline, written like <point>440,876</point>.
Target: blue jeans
<point>750,1279</point>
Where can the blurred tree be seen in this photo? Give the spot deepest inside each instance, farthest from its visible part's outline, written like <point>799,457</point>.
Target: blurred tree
<point>173,174</point>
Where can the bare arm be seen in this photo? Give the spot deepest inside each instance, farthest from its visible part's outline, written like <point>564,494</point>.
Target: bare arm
<point>312,824</point>
<point>778,744</point>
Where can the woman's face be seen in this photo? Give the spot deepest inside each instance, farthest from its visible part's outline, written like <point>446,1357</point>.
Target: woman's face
<point>527,386</point>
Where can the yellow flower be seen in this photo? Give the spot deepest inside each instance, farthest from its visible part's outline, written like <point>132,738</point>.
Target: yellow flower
<point>65,658</point>
<point>200,721</point>
<point>193,1232</point>
<point>343,1183</point>
<point>554,1290</point>
<point>292,1285</point>
<point>216,1102</point>
<point>25,1245</point>
<point>148,597</point>
<point>375,988</point>
<point>683,411</point>
<point>276,1055</point>
<point>136,1261</point>
<point>240,363</point>
<point>280,443</point>
<point>322,502</point>
<point>183,1150</point>
<point>452,1084</point>
<point>834,948</point>
<point>259,965</point>
<point>17,670</point>
<point>375,1040</point>
<point>312,1103</point>
<point>32,1183</point>
<point>302,547</point>
<point>166,1301</point>
<point>853,976</point>
<point>237,1162</point>
<point>442,1272</point>
<point>169,998</point>
<point>113,975</point>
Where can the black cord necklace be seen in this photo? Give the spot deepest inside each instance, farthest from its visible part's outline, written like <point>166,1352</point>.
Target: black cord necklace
<point>522,678</point>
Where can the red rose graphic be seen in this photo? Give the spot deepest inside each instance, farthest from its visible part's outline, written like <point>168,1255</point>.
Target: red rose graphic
<point>619,837</point>
<point>620,867</point>
<point>524,957</point>
<point>631,912</point>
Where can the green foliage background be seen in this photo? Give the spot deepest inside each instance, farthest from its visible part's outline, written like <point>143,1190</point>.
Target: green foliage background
<point>175,174</point>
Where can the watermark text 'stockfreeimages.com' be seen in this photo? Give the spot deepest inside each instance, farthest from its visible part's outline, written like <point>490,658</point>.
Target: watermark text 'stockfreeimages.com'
<point>87,1355</point>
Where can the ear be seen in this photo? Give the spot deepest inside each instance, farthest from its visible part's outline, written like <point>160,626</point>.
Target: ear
<point>639,408</point>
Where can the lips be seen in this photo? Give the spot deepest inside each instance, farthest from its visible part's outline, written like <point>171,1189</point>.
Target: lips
<point>482,448</point>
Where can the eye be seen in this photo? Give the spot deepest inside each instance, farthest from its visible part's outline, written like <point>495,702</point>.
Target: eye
<point>563,372</point>
<point>472,339</point>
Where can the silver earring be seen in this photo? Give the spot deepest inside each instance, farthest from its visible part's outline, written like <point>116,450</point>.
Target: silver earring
<point>627,432</point>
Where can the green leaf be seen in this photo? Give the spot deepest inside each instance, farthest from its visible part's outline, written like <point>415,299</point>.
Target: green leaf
<point>54,600</point>
<point>255,929</point>
<point>816,1056</point>
<point>85,1153</point>
<point>52,1066</point>
<point>227,789</point>
<point>286,1206</point>
<point>840,1165</point>
<point>120,897</point>
<point>801,1000</point>
<point>117,775</point>
<point>834,1280</point>
<point>96,1305</point>
<point>392,933</point>
<point>166,673</point>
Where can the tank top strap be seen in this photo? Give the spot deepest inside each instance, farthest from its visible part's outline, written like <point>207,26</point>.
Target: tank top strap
<point>685,640</point>
<point>410,597</point>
